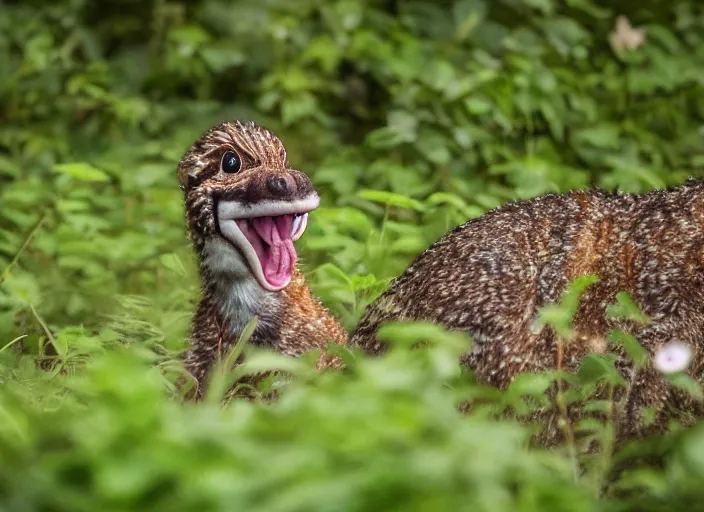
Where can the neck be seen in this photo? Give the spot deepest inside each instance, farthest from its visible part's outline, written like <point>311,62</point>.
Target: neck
<point>230,299</point>
<point>231,293</point>
<point>290,321</point>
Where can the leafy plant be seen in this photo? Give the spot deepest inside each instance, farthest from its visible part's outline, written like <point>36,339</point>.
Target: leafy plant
<point>410,117</point>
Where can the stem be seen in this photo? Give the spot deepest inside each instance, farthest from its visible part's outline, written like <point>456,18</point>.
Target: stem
<point>18,338</point>
<point>382,232</point>
<point>608,447</point>
<point>48,334</point>
<point>24,246</point>
<point>567,426</point>
<point>379,249</point>
<point>42,324</point>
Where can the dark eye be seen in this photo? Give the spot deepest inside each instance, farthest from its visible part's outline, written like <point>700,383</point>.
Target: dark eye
<point>230,162</point>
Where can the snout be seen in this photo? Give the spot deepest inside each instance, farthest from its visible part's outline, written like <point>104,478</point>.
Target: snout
<point>288,185</point>
<point>281,185</point>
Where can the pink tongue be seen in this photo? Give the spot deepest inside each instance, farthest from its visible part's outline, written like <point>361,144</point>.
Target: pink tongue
<point>278,256</point>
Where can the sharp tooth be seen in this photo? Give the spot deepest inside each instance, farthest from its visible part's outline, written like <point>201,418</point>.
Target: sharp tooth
<point>296,223</point>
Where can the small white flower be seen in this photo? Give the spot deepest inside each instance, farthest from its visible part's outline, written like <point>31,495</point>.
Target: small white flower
<point>672,358</point>
<point>625,37</point>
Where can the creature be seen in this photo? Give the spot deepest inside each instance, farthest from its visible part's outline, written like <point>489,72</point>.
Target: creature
<point>489,277</point>
<point>245,207</point>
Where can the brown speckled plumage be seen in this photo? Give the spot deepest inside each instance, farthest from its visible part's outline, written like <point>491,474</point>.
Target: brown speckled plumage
<point>290,321</point>
<point>489,276</point>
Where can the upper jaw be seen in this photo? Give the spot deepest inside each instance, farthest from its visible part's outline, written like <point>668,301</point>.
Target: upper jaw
<point>233,210</point>
<point>264,233</point>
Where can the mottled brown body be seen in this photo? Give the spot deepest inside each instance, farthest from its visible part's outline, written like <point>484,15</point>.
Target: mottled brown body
<point>291,324</point>
<point>290,320</point>
<point>490,276</point>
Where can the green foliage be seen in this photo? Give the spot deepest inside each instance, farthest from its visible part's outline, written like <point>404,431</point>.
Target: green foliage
<point>386,437</point>
<point>410,117</point>
<point>559,316</point>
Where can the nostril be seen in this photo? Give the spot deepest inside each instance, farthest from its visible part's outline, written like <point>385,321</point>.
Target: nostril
<point>277,185</point>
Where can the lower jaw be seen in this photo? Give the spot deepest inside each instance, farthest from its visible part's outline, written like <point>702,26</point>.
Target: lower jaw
<point>276,285</point>
<point>238,237</point>
<point>259,276</point>
<point>273,287</point>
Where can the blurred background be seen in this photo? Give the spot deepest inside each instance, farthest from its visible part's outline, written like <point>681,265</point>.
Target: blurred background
<point>410,116</point>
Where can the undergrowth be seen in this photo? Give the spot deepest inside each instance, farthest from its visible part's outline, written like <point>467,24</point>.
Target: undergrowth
<point>409,117</point>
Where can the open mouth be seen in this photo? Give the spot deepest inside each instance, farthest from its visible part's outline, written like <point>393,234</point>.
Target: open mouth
<point>264,233</point>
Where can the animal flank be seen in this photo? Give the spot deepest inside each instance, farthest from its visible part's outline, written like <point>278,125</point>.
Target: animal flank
<point>490,277</point>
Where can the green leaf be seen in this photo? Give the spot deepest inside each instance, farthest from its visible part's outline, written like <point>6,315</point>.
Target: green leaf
<point>596,368</point>
<point>544,6</point>
<point>81,171</point>
<point>409,334</point>
<point>173,263</point>
<point>630,344</point>
<point>687,384</point>
<point>603,136</point>
<point>477,106</point>
<point>434,148</point>
<point>554,120</point>
<point>222,56</point>
<point>440,198</point>
<point>530,385</point>
<point>301,106</point>
<point>384,137</point>
<point>60,345</point>
<point>602,406</point>
<point>626,308</point>
<point>224,373</point>
<point>392,199</point>
<point>559,316</point>
<point>404,124</point>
